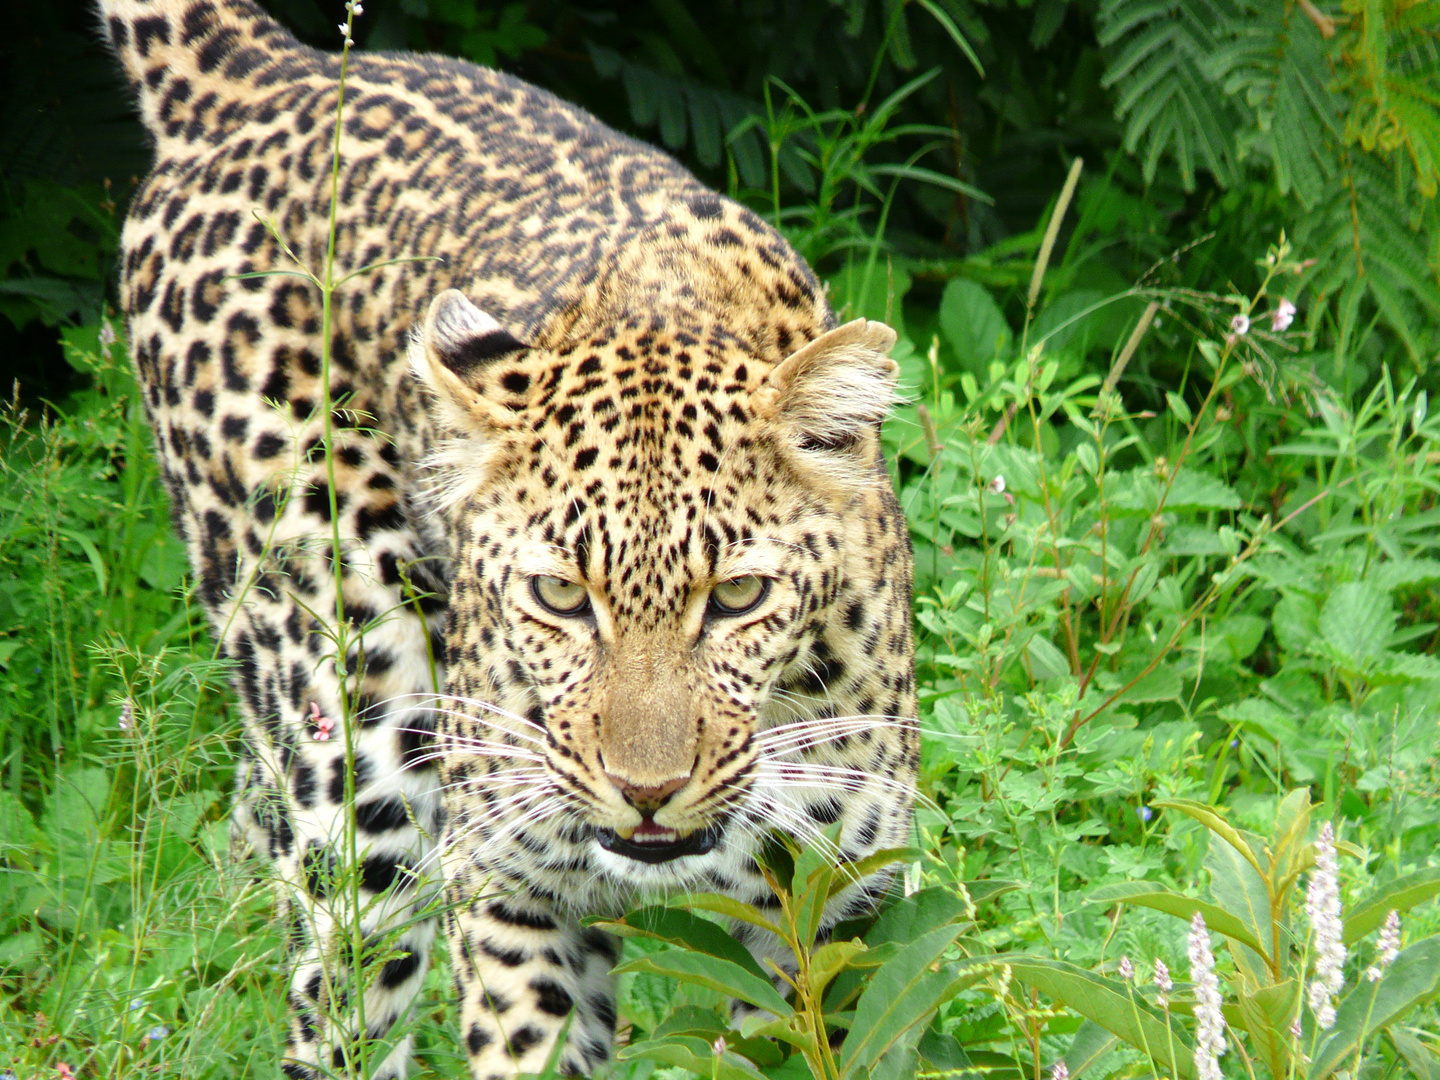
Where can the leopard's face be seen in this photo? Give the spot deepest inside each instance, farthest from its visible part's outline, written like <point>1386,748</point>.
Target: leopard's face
<point>651,558</point>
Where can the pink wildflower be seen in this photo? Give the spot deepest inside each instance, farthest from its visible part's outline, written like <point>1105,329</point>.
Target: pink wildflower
<point>1283,315</point>
<point>323,724</point>
<point>1240,325</point>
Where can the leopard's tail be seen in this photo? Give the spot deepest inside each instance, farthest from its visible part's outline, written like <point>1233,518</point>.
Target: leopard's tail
<point>186,60</point>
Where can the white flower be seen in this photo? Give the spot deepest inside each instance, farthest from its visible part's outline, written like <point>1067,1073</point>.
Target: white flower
<point>998,484</point>
<point>1387,948</point>
<point>127,715</point>
<point>1209,1022</point>
<point>1283,315</point>
<point>1240,325</point>
<point>1127,969</point>
<point>1322,907</point>
<point>107,334</point>
<point>345,34</point>
<point>1163,983</point>
<point>1061,1071</point>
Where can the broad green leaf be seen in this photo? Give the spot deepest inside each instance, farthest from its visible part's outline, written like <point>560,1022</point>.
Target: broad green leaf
<point>1289,848</point>
<point>1091,1043</point>
<point>1409,981</point>
<point>851,872</point>
<point>901,994</point>
<point>711,971</point>
<point>1147,894</point>
<point>1110,1004</point>
<point>900,923</point>
<point>1357,621</point>
<point>695,1054</point>
<point>916,915</point>
<point>731,909</point>
<point>1424,1064</point>
<point>1211,819</point>
<point>1240,890</point>
<point>1399,895</point>
<point>685,929</point>
<point>972,323</point>
<point>829,960</point>
<point>1267,1014</point>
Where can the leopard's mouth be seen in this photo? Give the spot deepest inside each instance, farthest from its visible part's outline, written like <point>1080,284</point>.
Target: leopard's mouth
<point>652,843</point>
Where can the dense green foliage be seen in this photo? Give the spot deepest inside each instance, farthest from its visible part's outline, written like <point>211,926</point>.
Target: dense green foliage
<point>1177,581</point>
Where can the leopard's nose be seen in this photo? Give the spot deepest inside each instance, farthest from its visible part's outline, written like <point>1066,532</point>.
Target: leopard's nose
<point>647,797</point>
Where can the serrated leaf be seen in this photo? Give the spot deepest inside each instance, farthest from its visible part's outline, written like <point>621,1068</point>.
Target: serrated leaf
<point>973,324</point>
<point>1411,979</point>
<point>1399,895</point>
<point>1357,621</point>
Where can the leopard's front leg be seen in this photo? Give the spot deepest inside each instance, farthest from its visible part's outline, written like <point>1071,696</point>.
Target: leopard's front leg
<point>523,970</point>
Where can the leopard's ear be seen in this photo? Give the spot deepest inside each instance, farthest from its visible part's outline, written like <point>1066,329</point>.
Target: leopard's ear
<point>455,353</point>
<point>832,393</point>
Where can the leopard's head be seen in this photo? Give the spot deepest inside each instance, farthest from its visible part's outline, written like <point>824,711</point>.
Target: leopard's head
<point>663,549</point>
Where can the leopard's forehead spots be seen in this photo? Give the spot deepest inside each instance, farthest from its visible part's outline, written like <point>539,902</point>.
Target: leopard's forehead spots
<point>642,462</point>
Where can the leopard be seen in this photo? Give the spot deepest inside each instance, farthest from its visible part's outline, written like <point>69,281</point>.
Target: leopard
<point>537,500</point>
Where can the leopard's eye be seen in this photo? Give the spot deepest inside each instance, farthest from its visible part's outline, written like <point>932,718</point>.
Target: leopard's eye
<point>738,595</point>
<point>558,596</point>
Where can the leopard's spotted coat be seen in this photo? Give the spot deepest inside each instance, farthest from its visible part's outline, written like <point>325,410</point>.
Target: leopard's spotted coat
<point>607,401</point>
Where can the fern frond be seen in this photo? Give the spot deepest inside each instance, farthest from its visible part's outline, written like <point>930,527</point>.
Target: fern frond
<point>1169,99</point>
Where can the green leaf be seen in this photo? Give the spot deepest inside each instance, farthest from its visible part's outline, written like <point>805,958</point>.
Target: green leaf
<point>1211,819</point>
<point>903,993</point>
<point>1091,1043</point>
<point>715,973</point>
<point>1147,894</point>
<point>1241,890</point>
<point>1399,895</point>
<point>1267,1015</point>
<point>731,909</point>
<point>1357,621</point>
<point>694,1054</point>
<point>1410,980</point>
<point>1424,1064</point>
<point>973,324</point>
<point>1108,1003</point>
<point>683,928</point>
